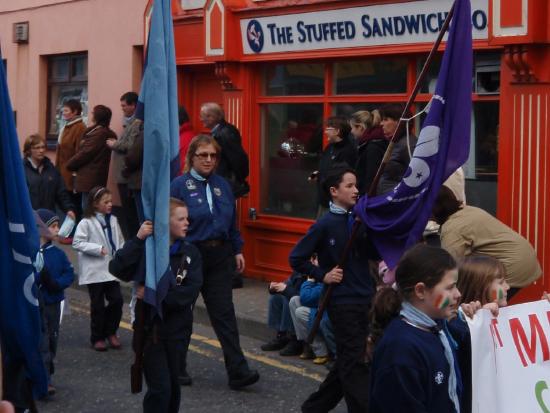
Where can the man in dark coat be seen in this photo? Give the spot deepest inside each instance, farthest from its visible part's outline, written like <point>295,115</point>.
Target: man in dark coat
<point>233,164</point>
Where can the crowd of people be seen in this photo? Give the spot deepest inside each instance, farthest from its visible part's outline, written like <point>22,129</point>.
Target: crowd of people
<point>381,337</point>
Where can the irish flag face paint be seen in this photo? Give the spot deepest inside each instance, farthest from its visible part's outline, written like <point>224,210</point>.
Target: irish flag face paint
<point>442,302</point>
<point>498,294</point>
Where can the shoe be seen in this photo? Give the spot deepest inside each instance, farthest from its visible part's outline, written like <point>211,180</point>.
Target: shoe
<point>100,345</point>
<point>275,344</point>
<point>243,380</point>
<point>185,379</point>
<point>307,353</point>
<point>321,360</point>
<point>114,342</point>
<point>66,241</point>
<point>293,348</point>
<point>51,390</point>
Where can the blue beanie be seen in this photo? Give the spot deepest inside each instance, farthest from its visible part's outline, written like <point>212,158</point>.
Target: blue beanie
<point>48,217</point>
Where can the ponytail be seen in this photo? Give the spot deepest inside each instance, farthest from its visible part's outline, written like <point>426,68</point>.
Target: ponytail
<point>385,307</point>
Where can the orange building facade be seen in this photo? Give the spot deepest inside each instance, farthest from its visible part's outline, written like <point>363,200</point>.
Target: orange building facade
<point>279,68</point>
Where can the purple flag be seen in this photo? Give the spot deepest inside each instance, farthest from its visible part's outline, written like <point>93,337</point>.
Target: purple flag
<point>396,220</point>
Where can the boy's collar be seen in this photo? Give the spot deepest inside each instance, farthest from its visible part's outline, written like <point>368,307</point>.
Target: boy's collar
<point>337,209</point>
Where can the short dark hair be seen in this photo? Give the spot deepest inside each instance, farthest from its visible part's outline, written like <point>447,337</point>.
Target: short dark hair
<point>445,205</point>
<point>340,123</point>
<point>74,105</point>
<point>131,98</point>
<point>102,115</point>
<point>182,115</point>
<point>392,111</point>
<point>334,177</point>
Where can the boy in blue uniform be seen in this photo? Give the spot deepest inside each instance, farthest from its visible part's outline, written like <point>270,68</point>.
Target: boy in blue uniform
<point>350,302</point>
<point>56,275</point>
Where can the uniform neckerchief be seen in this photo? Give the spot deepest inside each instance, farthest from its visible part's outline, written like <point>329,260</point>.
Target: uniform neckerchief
<point>421,320</point>
<point>337,209</point>
<point>201,178</point>
<point>105,221</point>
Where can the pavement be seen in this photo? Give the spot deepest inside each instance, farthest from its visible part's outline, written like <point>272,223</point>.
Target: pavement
<point>250,303</point>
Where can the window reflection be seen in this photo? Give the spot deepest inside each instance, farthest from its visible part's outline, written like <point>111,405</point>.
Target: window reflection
<point>295,79</point>
<point>387,75</point>
<point>292,137</point>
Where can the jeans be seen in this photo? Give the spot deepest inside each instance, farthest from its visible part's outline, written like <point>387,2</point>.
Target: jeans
<point>278,315</point>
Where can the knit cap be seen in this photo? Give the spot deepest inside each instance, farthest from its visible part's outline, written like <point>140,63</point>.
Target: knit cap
<point>48,217</point>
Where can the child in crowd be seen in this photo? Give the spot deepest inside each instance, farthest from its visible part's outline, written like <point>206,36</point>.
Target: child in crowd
<point>97,238</point>
<point>56,275</point>
<point>354,288</point>
<point>304,310</point>
<point>414,368</point>
<point>279,317</point>
<point>164,338</point>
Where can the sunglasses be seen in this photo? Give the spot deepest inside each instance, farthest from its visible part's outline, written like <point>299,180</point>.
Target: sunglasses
<point>205,155</point>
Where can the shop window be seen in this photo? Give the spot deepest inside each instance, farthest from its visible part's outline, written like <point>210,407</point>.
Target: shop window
<point>67,79</point>
<point>292,137</point>
<point>294,79</point>
<point>373,76</point>
<point>348,109</point>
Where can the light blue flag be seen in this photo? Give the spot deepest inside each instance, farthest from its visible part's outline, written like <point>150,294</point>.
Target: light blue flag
<point>158,107</point>
<point>20,329</point>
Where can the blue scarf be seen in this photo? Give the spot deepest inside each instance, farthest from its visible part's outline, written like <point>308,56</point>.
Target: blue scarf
<point>338,210</point>
<point>105,221</point>
<point>420,319</point>
<point>201,178</point>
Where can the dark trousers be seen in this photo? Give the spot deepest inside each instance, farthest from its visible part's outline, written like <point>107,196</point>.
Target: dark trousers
<point>104,318</point>
<point>218,268</point>
<point>136,194</point>
<point>160,367</point>
<point>350,376</point>
<point>50,335</point>
<point>188,315</point>
<point>129,221</point>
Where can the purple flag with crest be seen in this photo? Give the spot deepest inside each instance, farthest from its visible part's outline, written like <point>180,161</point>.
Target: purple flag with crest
<point>396,220</point>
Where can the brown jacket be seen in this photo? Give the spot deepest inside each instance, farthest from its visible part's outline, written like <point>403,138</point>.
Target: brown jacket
<point>67,147</point>
<point>91,162</point>
<point>133,162</point>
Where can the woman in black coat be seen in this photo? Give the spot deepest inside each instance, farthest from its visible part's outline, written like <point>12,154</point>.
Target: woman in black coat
<point>46,187</point>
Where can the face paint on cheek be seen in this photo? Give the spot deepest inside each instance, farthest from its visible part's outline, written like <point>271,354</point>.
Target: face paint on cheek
<point>498,294</point>
<point>442,302</point>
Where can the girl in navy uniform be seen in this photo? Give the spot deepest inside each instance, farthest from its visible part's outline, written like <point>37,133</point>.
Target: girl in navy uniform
<point>213,229</point>
<point>164,338</point>
<point>414,367</point>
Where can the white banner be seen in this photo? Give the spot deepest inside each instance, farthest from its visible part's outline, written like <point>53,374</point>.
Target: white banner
<point>403,23</point>
<point>511,359</point>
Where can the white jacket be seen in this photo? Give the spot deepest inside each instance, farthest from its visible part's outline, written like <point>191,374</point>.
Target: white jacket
<point>88,240</point>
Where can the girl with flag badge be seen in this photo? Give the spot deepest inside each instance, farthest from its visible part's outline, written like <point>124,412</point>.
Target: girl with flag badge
<point>97,238</point>
<point>414,368</point>
<point>213,230</point>
<point>165,338</point>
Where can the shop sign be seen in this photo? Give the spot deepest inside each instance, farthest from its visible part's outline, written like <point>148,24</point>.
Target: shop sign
<point>402,23</point>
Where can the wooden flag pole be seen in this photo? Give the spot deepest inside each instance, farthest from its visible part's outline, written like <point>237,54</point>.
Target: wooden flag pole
<point>372,190</point>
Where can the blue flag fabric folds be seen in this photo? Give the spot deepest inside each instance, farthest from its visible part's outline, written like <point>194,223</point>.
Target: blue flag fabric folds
<point>20,328</point>
<point>396,220</point>
<point>158,107</point>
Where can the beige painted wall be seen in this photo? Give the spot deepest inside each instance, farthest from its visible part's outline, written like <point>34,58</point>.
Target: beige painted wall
<point>109,30</point>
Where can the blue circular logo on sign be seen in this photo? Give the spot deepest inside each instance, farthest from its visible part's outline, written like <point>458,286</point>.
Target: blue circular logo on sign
<point>255,36</point>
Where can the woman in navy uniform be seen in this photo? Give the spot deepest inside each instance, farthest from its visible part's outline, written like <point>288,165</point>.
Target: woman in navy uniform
<point>213,229</point>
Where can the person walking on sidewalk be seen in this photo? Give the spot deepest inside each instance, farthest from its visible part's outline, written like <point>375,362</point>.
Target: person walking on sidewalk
<point>96,239</point>
<point>213,229</point>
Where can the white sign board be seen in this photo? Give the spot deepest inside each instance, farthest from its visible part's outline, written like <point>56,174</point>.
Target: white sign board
<point>403,23</point>
<point>511,359</point>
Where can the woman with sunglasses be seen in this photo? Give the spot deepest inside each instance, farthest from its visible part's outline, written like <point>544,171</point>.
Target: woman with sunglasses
<point>213,229</point>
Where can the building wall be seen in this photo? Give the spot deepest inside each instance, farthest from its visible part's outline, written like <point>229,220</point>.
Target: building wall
<point>111,32</point>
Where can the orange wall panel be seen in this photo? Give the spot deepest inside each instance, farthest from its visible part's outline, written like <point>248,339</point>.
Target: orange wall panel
<point>189,41</point>
<point>511,13</point>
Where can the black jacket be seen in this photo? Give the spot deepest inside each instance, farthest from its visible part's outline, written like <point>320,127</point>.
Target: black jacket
<point>369,157</point>
<point>177,307</point>
<point>47,189</point>
<point>233,164</point>
<point>397,165</point>
<point>293,284</point>
<point>343,152</point>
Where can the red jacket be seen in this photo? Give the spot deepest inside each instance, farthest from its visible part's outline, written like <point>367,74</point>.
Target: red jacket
<point>186,134</point>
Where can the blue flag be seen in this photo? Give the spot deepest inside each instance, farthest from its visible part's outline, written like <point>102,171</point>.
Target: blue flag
<point>20,329</point>
<point>158,107</point>
<point>396,220</point>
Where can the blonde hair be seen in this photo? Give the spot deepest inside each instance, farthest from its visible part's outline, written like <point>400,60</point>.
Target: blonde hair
<point>197,141</point>
<point>475,276</point>
<point>176,203</point>
<point>366,118</point>
<point>31,141</point>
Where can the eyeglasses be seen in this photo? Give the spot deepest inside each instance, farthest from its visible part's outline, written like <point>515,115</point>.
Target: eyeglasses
<point>205,155</point>
<point>330,128</point>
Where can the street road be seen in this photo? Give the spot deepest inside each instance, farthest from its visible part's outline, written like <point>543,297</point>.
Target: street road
<point>89,381</point>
